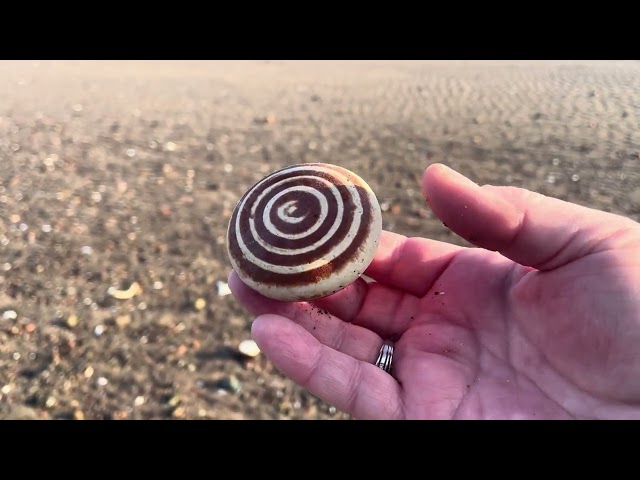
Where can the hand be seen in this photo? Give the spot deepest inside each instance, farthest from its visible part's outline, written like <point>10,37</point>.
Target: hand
<point>541,321</point>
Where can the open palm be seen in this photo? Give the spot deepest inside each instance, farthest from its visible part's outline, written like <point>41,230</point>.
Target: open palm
<point>541,321</point>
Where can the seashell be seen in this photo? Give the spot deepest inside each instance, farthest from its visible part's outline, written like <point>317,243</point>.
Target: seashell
<point>304,232</point>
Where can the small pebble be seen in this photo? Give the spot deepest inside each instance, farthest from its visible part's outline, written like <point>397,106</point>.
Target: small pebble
<point>138,401</point>
<point>72,321</point>
<point>88,372</point>
<point>249,348</point>
<point>102,381</point>
<point>222,288</point>
<point>230,383</point>
<point>99,330</point>
<point>123,320</point>
<point>200,304</point>
<point>285,407</point>
<point>179,412</point>
<point>9,315</point>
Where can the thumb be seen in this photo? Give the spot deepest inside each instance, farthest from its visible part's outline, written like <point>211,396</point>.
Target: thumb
<point>529,228</point>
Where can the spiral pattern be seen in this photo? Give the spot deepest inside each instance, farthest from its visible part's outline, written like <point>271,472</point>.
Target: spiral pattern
<point>302,225</point>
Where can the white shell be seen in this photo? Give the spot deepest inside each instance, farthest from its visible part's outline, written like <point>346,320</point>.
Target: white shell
<point>304,232</point>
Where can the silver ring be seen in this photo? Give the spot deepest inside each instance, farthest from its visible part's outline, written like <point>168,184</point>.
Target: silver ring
<point>385,357</point>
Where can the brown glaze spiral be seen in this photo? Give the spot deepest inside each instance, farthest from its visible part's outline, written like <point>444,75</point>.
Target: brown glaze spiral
<point>304,232</point>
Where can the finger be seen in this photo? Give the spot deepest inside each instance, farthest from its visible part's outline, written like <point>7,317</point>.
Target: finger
<point>345,303</point>
<point>353,386</point>
<point>353,340</point>
<point>410,264</point>
<point>531,229</point>
<point>384,310</point>
<point>401,265</point>
<point>405,269</point>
